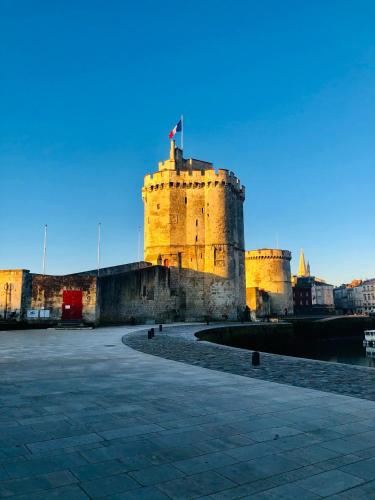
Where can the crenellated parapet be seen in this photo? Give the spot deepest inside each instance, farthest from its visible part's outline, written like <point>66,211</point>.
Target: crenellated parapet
<point>268,253</point>
<point>193,179</point>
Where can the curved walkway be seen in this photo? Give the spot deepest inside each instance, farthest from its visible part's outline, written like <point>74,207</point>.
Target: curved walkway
<point>180,344</point>
<point>84,416</point>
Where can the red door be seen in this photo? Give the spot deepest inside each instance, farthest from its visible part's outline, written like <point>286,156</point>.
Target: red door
<point>72,304</point>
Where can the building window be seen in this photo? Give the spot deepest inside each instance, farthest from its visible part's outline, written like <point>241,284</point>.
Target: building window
<point>196,239</point>
<point>185,200</point>
<point>158,206</point>
<point>196,222</point>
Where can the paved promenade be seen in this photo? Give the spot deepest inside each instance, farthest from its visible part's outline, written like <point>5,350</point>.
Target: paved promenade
<point>180,344</point>
<point>84,416</point>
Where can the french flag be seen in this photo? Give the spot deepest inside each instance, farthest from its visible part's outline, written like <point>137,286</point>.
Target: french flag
<point>177,128</point>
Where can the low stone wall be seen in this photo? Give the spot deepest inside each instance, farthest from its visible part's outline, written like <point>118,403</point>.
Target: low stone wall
<point>261,337</point>
<point>287,338</point>
<point>329,327</point>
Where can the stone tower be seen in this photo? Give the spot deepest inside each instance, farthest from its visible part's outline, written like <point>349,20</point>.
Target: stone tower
<point>269,270</point>
<point>193,222</point>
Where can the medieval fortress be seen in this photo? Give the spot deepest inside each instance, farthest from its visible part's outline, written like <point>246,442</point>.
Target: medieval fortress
<point>195,265</point>
<point>194,221</point>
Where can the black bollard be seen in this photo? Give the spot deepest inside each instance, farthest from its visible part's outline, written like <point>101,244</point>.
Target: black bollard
<point>149,335</point>
<point>160,328</point>
<point>255,358</point>
<point>152,332</point>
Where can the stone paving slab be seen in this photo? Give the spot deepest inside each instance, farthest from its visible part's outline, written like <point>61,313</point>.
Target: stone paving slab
<point>88,417</point>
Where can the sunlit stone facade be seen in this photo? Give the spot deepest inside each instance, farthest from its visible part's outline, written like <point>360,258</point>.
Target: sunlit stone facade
<point>269,270</point>
<point>193,221</point>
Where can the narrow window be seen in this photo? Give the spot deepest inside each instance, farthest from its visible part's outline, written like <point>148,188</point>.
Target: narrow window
<point>196,222</point>
<point>185,200</point>
<point>158,206</point>
<point>196,238</point>
<point>202,210</point>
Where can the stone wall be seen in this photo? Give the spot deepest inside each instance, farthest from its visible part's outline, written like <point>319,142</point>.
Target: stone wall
<point>269,269</point>
<point>144,295</point>
<point>47,293</point>
<point>12,293</point>
<point>163,294</point>
<point>258,301</point>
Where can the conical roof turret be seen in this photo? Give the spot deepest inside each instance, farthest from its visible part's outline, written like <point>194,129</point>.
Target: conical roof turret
<point>302,269</point>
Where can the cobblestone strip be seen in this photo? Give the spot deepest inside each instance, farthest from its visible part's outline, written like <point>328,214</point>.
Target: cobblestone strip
<point>180,344</point>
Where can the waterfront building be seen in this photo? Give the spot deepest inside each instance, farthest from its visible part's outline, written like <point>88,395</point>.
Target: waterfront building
<point>357,297</point>
<point>368,292</point>
<point>311,295</point>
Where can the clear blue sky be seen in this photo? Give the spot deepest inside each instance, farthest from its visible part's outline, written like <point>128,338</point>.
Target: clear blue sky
<point>283,93</point>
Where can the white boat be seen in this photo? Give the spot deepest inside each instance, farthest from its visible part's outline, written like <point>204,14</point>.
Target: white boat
<point>369,338</point>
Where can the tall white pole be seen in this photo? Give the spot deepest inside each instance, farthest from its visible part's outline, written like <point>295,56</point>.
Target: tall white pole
<point>182,132</point>
<point>99,236</point>
<point>44,250</point>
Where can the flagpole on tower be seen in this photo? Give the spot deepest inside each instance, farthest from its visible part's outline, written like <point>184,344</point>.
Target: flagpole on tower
<point>182,132</point>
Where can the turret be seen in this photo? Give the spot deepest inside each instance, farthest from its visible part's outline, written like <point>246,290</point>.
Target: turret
<point>302,270</point>
<point>269,270</point>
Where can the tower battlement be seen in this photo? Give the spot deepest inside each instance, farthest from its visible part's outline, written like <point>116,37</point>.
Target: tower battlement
<point>178,172</point>
<point>268,253</point>
<point>193,179</point>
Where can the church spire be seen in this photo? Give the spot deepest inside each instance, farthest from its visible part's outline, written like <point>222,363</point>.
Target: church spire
<point>302,270</point>
<point>308,268</point>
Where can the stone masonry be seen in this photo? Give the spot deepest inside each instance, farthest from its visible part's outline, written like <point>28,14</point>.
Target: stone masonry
<point>193,220</point>
<point>269,270</point>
